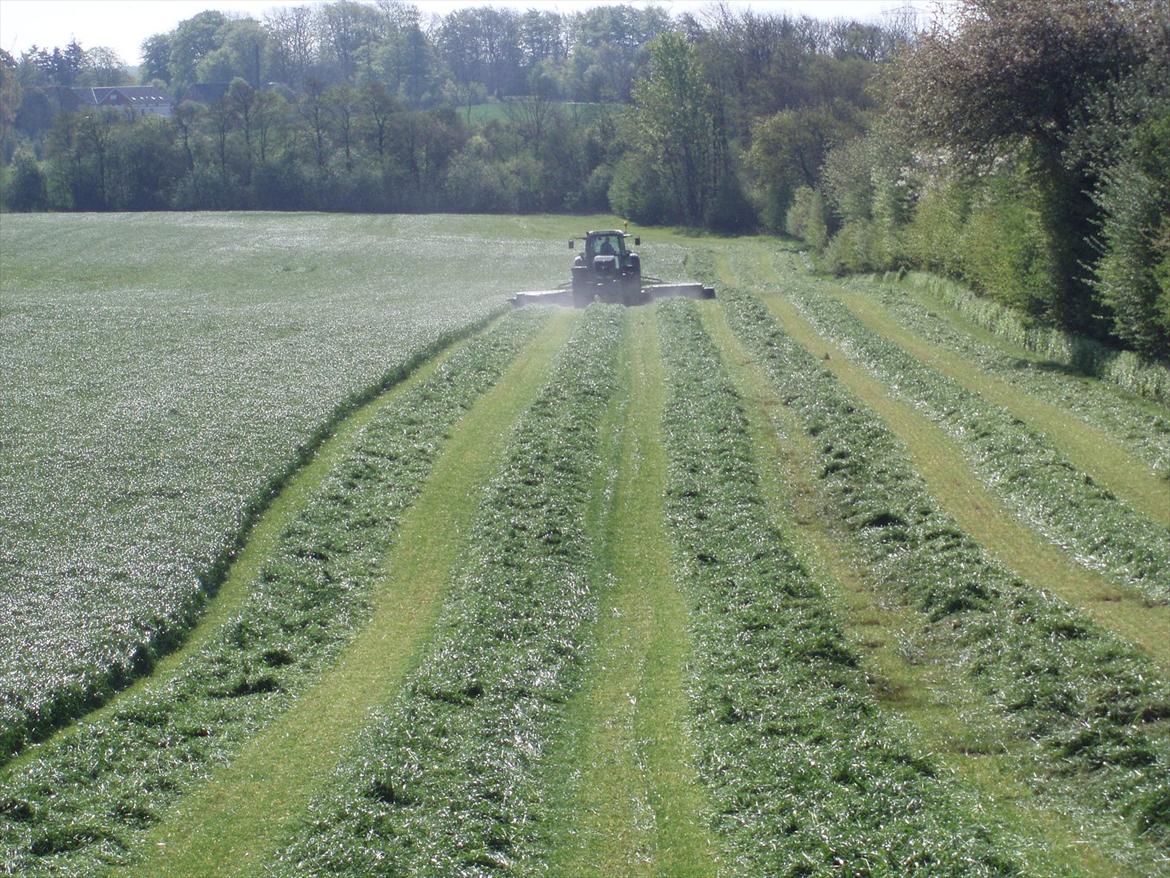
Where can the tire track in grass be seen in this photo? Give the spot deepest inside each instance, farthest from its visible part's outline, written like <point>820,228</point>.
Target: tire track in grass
<point>231,824</point>
<point>1090,449</point>
<point>964,497</point>
<point>633,802</point>
<point>936,705</point>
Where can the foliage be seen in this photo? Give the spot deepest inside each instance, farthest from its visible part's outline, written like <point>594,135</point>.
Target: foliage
<point>1007,248</point>
<point>24,188</point>
<point>674,128</point>
<point>336,106</point>
<point>805,219</point>
<point>1132,274</point>
<point>788,151</point>
<point>870,191</point>
<point>1004,69</point>
<point>1006,152</point>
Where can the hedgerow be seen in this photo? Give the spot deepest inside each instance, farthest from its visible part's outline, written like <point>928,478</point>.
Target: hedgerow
<point>87,798</point>
<point>1018,463</point>
<point>1094,707</point>
<point>447,779</point>
<point>806,775</point>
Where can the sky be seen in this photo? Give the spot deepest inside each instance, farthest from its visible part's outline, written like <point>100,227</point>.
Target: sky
<point>122,25</point>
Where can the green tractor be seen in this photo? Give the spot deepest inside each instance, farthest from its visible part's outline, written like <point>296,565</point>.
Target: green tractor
<point>606,270</point>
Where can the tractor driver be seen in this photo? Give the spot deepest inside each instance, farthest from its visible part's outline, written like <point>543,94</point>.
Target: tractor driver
<point>607,248</point>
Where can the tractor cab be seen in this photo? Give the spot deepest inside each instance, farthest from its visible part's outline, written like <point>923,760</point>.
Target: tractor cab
<point>606,268</point>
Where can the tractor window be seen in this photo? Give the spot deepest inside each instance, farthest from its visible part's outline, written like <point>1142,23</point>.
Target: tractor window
<point>609,245</point>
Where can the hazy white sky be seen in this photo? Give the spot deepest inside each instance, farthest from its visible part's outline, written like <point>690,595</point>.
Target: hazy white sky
<point>122,25</point>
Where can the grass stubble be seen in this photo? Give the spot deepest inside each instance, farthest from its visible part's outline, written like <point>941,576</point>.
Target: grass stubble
<point>632,802</point>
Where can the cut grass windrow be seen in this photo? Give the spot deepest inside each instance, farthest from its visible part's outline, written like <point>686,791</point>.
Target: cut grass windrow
<point>632,802</point>
<point>1018,463</point>
<point>449,779</point>
<point>807,777</point>
<point>910,672</point>
<point>233,824</point>
<point>979,513</point>
<point>1089,449</point>
<point>1094,707</point>
<point>1139,425</point>
<point>86,800</point>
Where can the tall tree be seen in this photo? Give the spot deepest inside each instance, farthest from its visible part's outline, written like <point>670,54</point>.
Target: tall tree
<point>1000,73</point>
<point>191,42</point>
<point>675,122</point>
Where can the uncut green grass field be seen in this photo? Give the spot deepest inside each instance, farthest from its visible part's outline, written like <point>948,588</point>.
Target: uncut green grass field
<point>316,558</point>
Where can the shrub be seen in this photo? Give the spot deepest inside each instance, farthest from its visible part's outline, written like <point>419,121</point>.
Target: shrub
<point>25,189</point>
<point>1007,250</point>
<point>638,192</point>
<point>933,234</point>
<point>853,248</point>
<point>1133,274</point>
<point>730,210</point>
<point>806,218</point>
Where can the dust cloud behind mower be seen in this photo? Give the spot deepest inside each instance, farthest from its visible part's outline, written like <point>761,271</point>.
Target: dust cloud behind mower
<point>608,271</point>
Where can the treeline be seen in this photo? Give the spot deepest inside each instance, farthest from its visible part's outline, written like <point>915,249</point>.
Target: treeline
<point>1019,147</point>
<point>359,106</point>
<point>1024,149</point>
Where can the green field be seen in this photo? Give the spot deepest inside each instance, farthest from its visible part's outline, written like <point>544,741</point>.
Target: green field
<point>319,559</point>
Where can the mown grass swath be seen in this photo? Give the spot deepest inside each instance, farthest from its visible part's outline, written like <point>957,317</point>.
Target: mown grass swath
<point>1019,463</point>
<point>448,780</point>
<point>806,776</point>
<point>150,409</point>
<point>1094,707</point>
<point>1142,428</point>
<point>86,799</point>
<point>1084,355</point>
